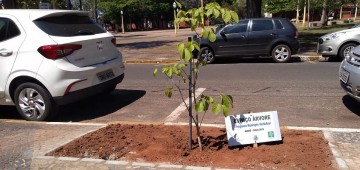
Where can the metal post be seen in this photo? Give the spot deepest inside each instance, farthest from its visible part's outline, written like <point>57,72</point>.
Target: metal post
<point>122,22</point>
<point>190,101</point>
<point>174,5</point>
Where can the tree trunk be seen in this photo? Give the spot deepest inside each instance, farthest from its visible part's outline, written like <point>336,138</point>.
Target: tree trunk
<point>356,10</point>
<point>304,16</point>
<point>323,15</point>
<point>341,11</point>
<point>253,8</point>
<point>297,12</point>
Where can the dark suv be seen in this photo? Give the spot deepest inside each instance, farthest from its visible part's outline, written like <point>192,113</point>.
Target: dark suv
<point>275,37</point>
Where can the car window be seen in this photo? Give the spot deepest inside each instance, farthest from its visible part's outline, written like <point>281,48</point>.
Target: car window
<point>69,25</point>
<point>278,25</point>
<point>8,29</point>
<point>237,28</point>
<point>262,25</point>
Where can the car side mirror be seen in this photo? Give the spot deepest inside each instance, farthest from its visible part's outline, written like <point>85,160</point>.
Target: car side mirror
<point>222,33</point>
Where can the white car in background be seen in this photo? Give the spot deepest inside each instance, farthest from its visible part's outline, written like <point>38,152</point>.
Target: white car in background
<point>349,73</point>
<point>339,44</point>
<point>54,57</point>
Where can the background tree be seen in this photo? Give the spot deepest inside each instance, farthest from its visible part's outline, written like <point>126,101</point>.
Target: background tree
<point>253,8</point>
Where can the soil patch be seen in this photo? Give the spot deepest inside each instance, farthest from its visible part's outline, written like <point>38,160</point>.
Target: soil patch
<point>169,144</point>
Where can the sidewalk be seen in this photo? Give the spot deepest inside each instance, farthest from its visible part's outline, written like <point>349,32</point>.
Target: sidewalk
<point>344,144</point>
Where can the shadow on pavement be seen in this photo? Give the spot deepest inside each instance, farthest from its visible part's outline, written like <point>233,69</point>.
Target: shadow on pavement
<point>98,106</point>
<point>93,107</point>
<point>234,60</point>
<point>351,104</point>
<point>144,45</point>
<point>9,112</point>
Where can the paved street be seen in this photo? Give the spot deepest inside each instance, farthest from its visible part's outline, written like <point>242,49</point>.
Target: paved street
<point>305,94</point>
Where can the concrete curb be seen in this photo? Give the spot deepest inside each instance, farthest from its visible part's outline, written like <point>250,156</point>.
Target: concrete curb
<point>151,61</point>
<point>51,162</point>
<point>303,58</point>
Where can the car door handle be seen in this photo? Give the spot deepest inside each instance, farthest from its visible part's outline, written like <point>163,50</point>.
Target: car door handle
<point>273,34</point>
<point>5,52</point>
<point>243,36</point>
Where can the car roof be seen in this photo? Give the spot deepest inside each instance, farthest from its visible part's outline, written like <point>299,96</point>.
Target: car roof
<point>34,14</point>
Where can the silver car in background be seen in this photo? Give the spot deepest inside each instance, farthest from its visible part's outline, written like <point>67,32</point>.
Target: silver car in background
<point>339,44</point>
<point>349,73</point>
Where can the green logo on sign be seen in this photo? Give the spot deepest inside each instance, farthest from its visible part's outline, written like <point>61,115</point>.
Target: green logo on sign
<point>271,134</point>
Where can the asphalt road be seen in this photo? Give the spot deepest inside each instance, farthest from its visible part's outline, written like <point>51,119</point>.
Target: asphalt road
<point>304,94</point>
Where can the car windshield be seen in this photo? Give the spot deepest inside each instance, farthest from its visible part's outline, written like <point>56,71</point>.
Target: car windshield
<point>69,25</point>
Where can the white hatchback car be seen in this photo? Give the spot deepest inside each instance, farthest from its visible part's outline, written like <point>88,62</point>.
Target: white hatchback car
<point>54,57</point>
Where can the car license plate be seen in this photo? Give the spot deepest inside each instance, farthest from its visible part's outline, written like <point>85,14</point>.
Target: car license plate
<point>344,75</point>
<point>105,75</point>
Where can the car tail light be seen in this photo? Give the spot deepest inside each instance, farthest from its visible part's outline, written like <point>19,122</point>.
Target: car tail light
<point>58,51</point>
<point>113,40</point>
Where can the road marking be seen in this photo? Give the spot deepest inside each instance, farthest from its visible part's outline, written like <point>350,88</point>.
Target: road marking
<point>176,113</point>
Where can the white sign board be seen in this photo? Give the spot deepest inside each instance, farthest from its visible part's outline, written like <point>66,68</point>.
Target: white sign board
<point>44,5</point>
<point>253,128</point>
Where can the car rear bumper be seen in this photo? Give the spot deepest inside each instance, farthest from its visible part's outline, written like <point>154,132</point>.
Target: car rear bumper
<point>87,92</point>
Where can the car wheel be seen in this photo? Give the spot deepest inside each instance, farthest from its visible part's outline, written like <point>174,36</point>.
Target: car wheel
<point>346,49</point>
<point>281,53</point>
<point>34,103</point>
<point>207,55</point>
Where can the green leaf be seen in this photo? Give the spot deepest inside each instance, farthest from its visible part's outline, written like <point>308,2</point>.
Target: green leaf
<point>216,108</point>
<point>216,13</point>
<point>200,106</point>
<point>212,37</point>
<point>205,33</point>
<point>226,16</point>
<point>181,14</point>
<point>206,105</point>
<point>226,111</point>
<point>155,72</point>
<point>188,55</point>
<point>180,47</point>
<point>195,13</point>
<point>209,12</point>
<point>226,100</point>
<point>196,45</point>
<point>168,92</point>
<point>181,66</point>
<point>168,72</point>
<point>177,20</point>
<point>234,16</point>
<point>178,4</point>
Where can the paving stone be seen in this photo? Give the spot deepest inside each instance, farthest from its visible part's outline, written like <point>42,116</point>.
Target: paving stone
<point>92,160</point>
<point>169,167</point>
<point>197,168</point>
<point>68,159</point>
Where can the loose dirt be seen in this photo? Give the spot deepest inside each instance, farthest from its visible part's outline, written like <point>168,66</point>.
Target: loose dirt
<point>169,144</point>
